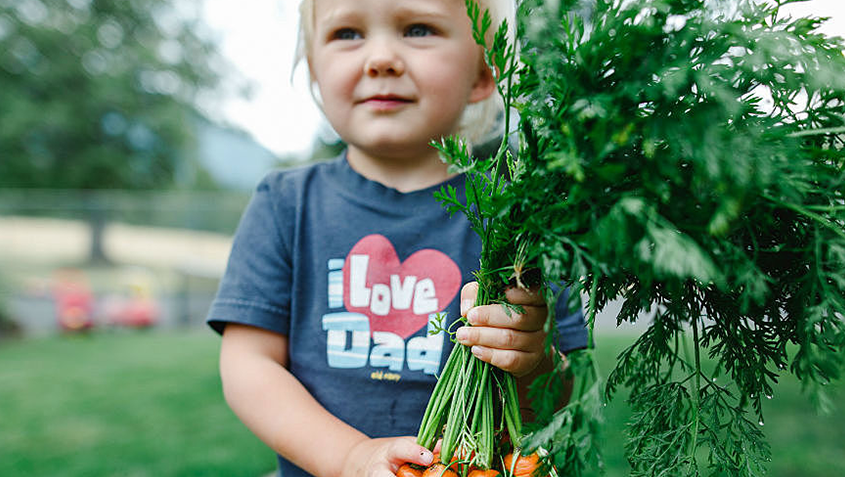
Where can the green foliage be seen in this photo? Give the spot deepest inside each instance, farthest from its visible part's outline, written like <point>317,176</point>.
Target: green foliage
<point>149,404</point>
<point>143,404</point>
<point>686,157</point>
<point>98,94</point>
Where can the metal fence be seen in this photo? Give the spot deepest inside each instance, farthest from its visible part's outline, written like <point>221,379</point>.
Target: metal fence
<point>213,211</point>
<point>182,275</point>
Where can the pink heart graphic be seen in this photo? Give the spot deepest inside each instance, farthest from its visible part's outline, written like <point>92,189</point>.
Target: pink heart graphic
<point>397,297</point>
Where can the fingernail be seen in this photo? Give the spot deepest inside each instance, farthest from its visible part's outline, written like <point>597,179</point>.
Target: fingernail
<point>462,334</point>
<point>477,351</point>
<point>465,306</point>
<point>472,316</point>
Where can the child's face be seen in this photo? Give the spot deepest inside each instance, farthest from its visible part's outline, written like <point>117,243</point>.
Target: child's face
<point>395,74</point>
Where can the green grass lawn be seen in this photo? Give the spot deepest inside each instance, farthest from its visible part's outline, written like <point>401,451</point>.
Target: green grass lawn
<point>149,404</point>
<point>803,442</point>
<point>120,404</point>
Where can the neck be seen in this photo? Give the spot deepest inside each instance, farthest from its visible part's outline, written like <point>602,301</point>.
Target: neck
<point>405,173</point>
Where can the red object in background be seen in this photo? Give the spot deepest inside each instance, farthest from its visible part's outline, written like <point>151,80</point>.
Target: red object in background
<point>133,303</point>
<point>132,311</point>
<point>74,301</point>
<point>140,313</point>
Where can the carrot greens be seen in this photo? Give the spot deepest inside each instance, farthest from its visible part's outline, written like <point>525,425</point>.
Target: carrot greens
<point>686,158</point>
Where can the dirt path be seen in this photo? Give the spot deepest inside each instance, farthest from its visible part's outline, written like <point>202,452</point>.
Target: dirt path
<point>51,241</point>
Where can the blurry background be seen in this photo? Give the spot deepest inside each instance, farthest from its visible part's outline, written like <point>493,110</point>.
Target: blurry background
<point>131,135</point>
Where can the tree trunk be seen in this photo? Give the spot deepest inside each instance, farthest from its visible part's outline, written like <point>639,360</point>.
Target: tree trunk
<point>97,220</point>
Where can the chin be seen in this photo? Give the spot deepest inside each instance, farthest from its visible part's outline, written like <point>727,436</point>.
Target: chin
<point>398,150</point>
<point>392,145</point>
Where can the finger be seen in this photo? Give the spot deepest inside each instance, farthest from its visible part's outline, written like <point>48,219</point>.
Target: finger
<point>405,449</point>
<point>518,363</point>
<point>531,318</point>
<point>501,338</point>
<point>468,294</point>
<point>523,296</point>
<point>381,472</point>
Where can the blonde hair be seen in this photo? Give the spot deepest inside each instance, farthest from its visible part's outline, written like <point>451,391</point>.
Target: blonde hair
<point>479,120</point>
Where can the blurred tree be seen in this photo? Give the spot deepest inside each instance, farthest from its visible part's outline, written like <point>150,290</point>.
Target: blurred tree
<point>100,93</point>
<point>8,326</point>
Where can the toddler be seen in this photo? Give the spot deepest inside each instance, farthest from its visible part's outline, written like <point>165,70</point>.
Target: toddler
<point>337,268</point>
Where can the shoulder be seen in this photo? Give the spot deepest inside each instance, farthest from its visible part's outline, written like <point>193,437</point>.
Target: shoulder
<point>278,199</point>
<point>286,190</point>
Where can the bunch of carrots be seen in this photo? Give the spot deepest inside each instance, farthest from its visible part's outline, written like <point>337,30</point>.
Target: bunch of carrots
<point>473,422</point>
<point>474,412</point>
<point>523,466</point>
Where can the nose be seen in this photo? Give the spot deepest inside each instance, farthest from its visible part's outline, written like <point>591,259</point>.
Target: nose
<point>383,59</point>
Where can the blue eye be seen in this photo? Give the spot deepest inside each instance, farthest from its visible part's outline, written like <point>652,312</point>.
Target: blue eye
<point>346,34</point>
<point>419,30</point>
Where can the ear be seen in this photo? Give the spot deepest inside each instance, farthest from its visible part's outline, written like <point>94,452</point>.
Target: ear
<point>484,85</point>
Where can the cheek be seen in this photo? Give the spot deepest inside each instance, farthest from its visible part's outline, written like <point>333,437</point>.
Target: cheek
<point>335,100</point>
<point>455,81</point>
<point>450,94</point>
<point>334,78</point>
<point>327,83</point>
<point>439,83</point>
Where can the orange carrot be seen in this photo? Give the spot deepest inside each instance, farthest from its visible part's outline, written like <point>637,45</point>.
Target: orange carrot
<point>439,470</point>
<point>405,470</point>
<point>453,465</point>
<point>525,466</point>
<point>484,473</point>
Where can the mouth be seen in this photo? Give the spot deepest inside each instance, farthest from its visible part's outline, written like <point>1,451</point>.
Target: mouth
<point>386,101</point>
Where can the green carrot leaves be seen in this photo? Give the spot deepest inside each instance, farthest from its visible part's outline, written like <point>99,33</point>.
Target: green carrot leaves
<point>688,159</point>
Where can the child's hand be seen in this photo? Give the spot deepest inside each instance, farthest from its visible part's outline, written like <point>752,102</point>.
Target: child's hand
<point>513,342</point>
<point>382,457</point>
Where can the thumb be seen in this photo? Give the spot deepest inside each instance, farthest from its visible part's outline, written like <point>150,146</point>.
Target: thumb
<point>406,449</point>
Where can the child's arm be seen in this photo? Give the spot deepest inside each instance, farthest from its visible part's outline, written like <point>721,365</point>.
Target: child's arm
<point>511,341</point>
<point>275,406</point>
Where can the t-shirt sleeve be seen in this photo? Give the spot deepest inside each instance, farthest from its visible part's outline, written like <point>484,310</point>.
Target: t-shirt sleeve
<point>571,327</point>
<point>256,287</point>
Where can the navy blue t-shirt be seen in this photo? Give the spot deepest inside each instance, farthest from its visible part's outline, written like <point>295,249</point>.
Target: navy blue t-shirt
<point>352,272</point>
